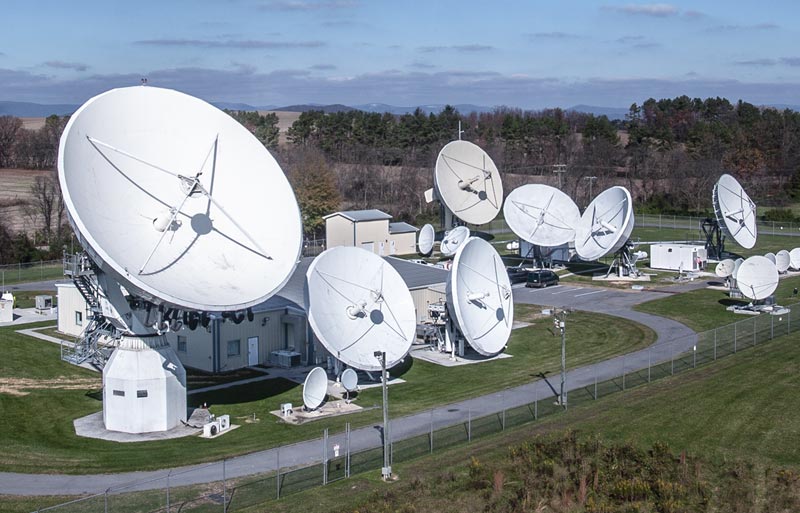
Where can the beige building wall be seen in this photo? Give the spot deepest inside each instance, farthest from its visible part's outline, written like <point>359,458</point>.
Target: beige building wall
<point>197,351</point>
<point>339,232</point>
<point>404,243</point>
<point>423,297</point>
<point>376,232</point>
<point>71,307</point>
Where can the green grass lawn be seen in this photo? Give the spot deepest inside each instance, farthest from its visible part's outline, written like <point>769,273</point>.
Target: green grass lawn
<point>37,433</point>
<point>34,271</point>
<point>705,309</point>
<point>27,298</point>
<point>765,244</point>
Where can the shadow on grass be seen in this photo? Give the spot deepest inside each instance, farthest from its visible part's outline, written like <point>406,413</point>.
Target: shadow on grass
<point>732,302</point>
<point>586,268</point>
<point>250,392</point>
<point>97,395</point>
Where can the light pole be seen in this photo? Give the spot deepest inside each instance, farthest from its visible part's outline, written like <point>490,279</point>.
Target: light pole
<point>591,182</point>
<point>386,471</point>
<point>559,169</point>
<point>560,325</point>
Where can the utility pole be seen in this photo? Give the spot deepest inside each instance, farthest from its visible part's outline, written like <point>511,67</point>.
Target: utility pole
<point>560,324</point>
<point>459,130</point>
<point>591,182</point>
<point>559,169</point>
<point>386,471</point>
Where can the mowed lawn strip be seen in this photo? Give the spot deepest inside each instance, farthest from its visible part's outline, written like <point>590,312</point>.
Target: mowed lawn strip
<point>36,432</point>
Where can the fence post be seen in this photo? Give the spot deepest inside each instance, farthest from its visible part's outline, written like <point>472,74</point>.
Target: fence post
<point>735,326</point>
<point>771,326</point>
<point>715,344</point>
<point>278,477</point>
<point>503,401</point>
<point>224,489</point>
<point>755,324</point>
<point>595,381</point>
<point>536,401</point>
<point>431,431</point>
<point>168,473</point>
<point>469,424</point>
<point>347,449</point>
<point>672,359</point>
<point>325,457</point>
<point>623,372</point>
<point>649,362</point>
<point>105,500</point>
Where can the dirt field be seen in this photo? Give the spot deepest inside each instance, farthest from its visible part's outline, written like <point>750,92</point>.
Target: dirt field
<point>32,123</point>
<point>285,120</point>
<point>15,193</point>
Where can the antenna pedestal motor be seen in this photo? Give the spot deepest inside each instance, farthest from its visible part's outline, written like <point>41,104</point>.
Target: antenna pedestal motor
<point>624,262</point>
<point>715,239</point>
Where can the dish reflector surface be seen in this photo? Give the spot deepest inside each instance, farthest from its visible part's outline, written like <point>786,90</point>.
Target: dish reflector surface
<point>725,268</point>
<point>425,242</point>
<point>737,265</point>
<point>770,257</point>
<point>453,239</point>
<point>735,211</point>
<point>479,296</point>
<point>468,183</point>
<point>349,380</point>
<point>794,258</point>
<point>315,388</point>
<point>783,260</point>
<point>358,304</point>
<point>170,195</point>
<point>541,215</point>
<point>757,278</point>
<point>606,225</point>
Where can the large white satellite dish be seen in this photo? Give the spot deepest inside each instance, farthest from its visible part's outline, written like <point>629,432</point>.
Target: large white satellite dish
<point>735,211</point>
<point>173,197</point>
<point>427,235</point>
<point>783,260</point>
<point>606,224</point>
<point>541,215</point>
<point>358,304</point>
<point>725,268</point>
<point>453,239</point>
<point>757,278</point>
<point>794,258</point>
<point>466,180</point>
<point>315,388</point>
<point>770,256</point>
<point>479,296</point>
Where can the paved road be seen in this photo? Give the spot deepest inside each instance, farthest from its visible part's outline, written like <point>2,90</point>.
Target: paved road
<point>35,285</point>
<point>673,337</point>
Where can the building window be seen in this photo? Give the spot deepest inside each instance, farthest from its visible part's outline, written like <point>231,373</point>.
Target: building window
<point>120,393</point>
<point>79,318</point>
<point>233,348</point>
<point>141,393</point>
<point>181,344</point>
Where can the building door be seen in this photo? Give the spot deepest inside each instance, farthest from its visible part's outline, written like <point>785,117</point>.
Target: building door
<point>381,248</point>
<point>252,351</point>
<point>392,248</point>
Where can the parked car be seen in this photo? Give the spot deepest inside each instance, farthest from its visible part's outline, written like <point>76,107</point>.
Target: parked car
<point>517,274</point>
<point>541,278</point>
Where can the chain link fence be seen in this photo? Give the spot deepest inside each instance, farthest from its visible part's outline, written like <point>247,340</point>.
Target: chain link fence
<point>31,271</point>
<point>223,489</point>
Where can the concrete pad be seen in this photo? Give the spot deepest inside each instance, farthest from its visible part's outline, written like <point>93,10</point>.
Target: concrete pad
<point>430,355</point>
<point>327,410</point>
<point>29,315</point>
<point>624,279</point>
<point>91,426</point>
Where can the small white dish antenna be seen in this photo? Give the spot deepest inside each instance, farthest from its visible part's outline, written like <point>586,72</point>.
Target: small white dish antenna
<point>794,258</point>
<point>315,388</point>
<point>757,278</point>
<point>541,215</point>
<point>770,256</point>
<point>168,194</point>
<point>737,264</point>
<point>349,380</point>
<point>466,180</point>
<point>453,239</point>
<point>725,268</point>
<point>735,211</point>
<point>358,305</point>
<point>783,260</point>
<point>606,224</point>
<point>427,235</point>
<point>479,296</point>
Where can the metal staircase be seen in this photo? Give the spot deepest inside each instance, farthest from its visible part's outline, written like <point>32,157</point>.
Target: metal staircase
<point>93,343</point>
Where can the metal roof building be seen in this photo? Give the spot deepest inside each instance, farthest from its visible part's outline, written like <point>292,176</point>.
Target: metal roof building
<point>370,230</point>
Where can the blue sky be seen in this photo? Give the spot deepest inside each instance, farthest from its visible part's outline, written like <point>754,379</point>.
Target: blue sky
<point>529,54</point>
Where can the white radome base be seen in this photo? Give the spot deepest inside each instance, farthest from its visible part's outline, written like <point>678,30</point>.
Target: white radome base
<point>144,386</point>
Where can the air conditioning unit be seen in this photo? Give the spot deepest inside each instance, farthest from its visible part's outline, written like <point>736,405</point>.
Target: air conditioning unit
<point>224,422</point>
<point>211,429</point>
<point>286,409</point>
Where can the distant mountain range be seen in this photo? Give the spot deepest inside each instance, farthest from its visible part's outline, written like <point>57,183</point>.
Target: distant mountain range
<point>37,110</point>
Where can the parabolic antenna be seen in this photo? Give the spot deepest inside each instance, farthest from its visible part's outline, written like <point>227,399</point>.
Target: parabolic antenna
<point>169,195</point>
<point>725,268</point>
<point>468,183</point>
<point>315,388</point>
<point>606,224</point>
<point>541,215</point>
<point>783,260</point>
<point>794,259</point>
<point>737,265</point>
<point>425,242</point>
<point>453,239</point>
<point>357,305</point>
<point>757,278</point>
<point>735,211</point>
<point>479,296</point>
<point>770,257</point>
<point>349,380</point>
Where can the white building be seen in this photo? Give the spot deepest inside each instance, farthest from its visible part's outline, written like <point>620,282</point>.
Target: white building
<point>279,324</point>
<point>678,257</point>
<point>371,230</point>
